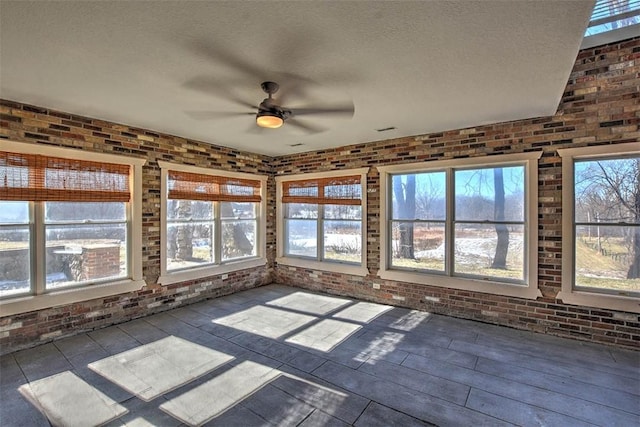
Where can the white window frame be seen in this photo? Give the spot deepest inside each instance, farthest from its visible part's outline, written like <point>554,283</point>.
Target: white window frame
<point>530,289</point>
<point>601,15</point>
<point>134,281</point>
<point>326,265</point>
<point>568,294</point>
<point>169,277</point>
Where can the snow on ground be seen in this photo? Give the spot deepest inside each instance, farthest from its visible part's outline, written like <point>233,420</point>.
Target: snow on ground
<point>472,250</point>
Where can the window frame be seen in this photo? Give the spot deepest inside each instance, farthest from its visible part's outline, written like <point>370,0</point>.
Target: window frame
<point>529,289</point>
<point>40,298</point>
<point>41,224</point>
<point>568,293</point>
<point>354,269</point>
<point>168,277</point>
<point>599,17</point>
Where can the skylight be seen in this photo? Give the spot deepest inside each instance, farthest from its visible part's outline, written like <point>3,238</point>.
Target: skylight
<point>612,20</point>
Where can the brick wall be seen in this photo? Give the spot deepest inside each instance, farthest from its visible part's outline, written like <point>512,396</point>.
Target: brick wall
<point>97,261</point>
<point>601,105</point>
<point>36,125</point>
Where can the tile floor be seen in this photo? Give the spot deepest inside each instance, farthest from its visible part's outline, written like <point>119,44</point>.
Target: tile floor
<point>283,356</point>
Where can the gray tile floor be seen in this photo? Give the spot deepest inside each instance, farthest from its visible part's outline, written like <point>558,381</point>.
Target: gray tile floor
<point>283,356</point>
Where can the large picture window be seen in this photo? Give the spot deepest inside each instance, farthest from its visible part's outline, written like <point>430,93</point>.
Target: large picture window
<point>470,222</point>
<point>601,239</point>
<point>66,222</point>
<point>322,221</point>
<point>213,222</point>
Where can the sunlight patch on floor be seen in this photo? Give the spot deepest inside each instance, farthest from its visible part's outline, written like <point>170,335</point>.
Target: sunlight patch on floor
<point>154,369</point>
<point>67,400</point>
<point>215,396</point>
<point>265,321</point>
<point>325,335</point>
<point>309,303</point>
<point>363,312</point>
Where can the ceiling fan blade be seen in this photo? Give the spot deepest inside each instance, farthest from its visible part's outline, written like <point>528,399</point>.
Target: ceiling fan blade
<point>305,126</point>
<point>222,56</point>
<point>212,86</point>
<point>212,115</point>
<point>293,87</point>
<point>344,110</point>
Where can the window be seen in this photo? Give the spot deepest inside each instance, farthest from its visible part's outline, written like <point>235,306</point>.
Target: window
<point>464,224</point>
<point>611,21</point>
<point>601,226</point>
<point>67,222</point>
<point>213,222</point>
<point>321,221</point>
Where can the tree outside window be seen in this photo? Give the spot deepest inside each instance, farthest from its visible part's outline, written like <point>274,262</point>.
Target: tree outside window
<point>65,222</point>
<point>322,219</point>
<point>211,219</point>
<point>607,224</point>
<point>481,232</point>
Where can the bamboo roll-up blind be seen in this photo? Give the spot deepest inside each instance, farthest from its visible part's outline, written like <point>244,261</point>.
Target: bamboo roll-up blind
<point>33,177</point>
<point>344,190</point>
<point>194,186</point>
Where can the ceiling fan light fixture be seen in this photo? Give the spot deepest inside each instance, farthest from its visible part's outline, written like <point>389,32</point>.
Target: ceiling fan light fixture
<point>269,120</point>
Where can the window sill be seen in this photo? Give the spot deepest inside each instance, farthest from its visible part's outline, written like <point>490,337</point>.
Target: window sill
<point>354,270</point>
<point>169,278</point>
<point>611,302</point>
<point>467,284</point>
<point>18,305</point>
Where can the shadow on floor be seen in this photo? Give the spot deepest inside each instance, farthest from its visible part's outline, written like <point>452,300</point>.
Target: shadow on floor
<point>277,355</point>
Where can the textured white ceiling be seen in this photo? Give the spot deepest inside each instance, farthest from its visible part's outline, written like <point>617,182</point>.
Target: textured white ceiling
<point>180,67</point>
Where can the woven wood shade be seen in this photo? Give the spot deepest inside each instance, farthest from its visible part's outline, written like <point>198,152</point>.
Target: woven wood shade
<point>32,177</point>
<point>194,186</point>
<point>344,190</point>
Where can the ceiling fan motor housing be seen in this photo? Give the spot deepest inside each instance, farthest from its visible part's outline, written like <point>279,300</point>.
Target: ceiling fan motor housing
<point>270,87</point>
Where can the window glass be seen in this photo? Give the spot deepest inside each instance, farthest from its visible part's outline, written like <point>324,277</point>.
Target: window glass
<point>419,196</point>
<point>322,218</point>
<point>489,194</point>
<point>190,234</point>
<point>15,253</point>
<point>487,230</point>
<point>238,239</point>
<point>607,224</point>
<point>342,231</point>
<point>301,229</point>
<point>342,190</point>
<point>84,242</point>
<point>239,228</point>
<point>343,212</point>
<point>189,210</point>
<point>301,237</point>
<point>301,210</point>
<point>477,251</point>
<point>610,15</point>
<point>238,210</point>
<point>67,222</point>
<point>84,211</point>
<point>494,195</point>
<point>211,219</point>
<point>343,240</point>
<point>419,245</point>
<point>14,212</point>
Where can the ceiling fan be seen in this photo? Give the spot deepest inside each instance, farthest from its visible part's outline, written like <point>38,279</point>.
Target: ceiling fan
<point>270,115</point>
